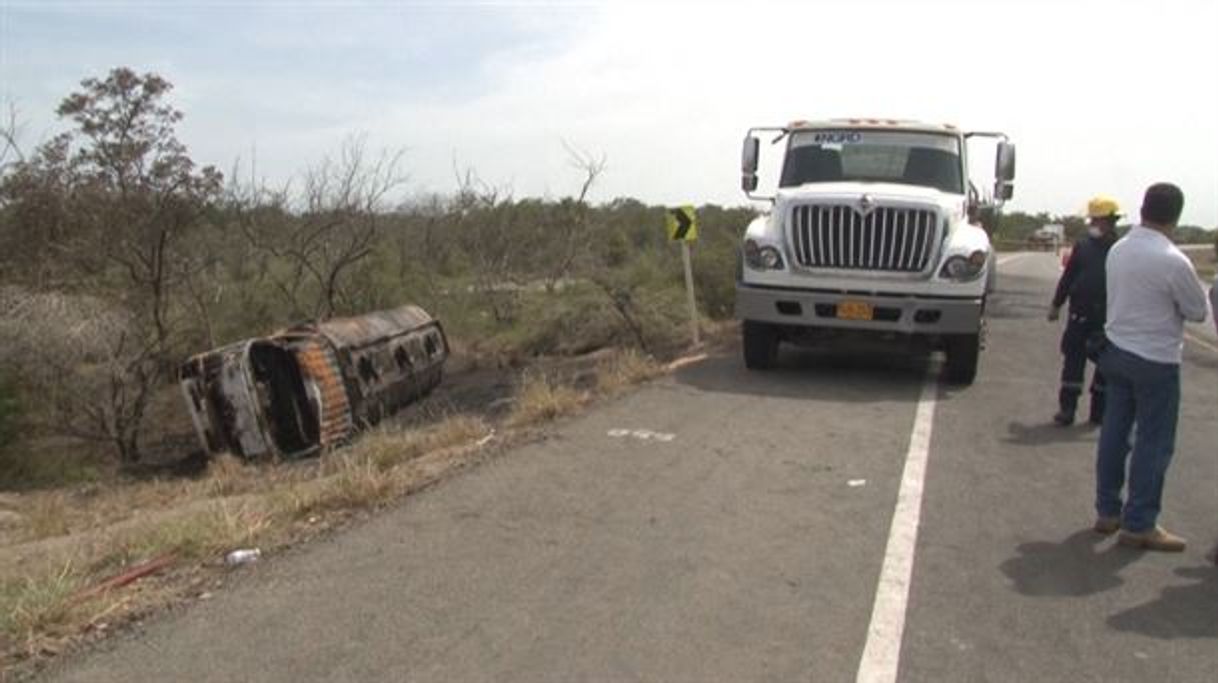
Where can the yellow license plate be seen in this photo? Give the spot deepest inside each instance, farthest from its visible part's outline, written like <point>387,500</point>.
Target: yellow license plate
<point>855,310</point>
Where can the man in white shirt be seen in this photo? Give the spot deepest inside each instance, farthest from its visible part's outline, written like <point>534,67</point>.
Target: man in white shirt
<point>1152,290</point>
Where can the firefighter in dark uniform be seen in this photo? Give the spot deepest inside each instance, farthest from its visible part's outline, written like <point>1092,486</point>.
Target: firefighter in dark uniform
<point>1083,284</point>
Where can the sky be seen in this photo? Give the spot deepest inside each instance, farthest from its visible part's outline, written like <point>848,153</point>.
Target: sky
<point>1099,97</point>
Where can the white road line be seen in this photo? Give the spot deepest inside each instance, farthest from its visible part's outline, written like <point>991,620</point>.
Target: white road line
<point>1010,257</point>
<point>881,656</point>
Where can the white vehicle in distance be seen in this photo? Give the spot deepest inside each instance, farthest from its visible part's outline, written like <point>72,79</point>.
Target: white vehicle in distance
<point>869,235</point>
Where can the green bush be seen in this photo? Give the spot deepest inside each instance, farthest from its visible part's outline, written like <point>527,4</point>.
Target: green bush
<point>582,318</point>
<point>715,281</point>
<point>569,322</point>
<point>23,463</point>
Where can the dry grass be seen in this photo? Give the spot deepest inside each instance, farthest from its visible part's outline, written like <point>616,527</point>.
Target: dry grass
<point>48,516</point>
<point>376,469</point>
<point>46,605</point>
<point>121,501</point>
<point>222,526</point>
<point>293,502</point>
<point>625,369</point>
<point>56,513</point>
<point>359,483</point>
<point>37,605</point>
<point>539,400</point>
<point>389,447</point>
<point>38,609</point>
<point>356,484</point>
<point>228,476</point>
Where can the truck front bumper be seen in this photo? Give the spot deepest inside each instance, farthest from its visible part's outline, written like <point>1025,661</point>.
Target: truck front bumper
<point>902,313</point>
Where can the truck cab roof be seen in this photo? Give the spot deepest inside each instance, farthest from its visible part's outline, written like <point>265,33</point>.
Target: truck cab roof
<point>874,123</point>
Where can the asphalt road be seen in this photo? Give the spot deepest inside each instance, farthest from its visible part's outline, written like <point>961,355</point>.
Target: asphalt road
<point>750,545</point>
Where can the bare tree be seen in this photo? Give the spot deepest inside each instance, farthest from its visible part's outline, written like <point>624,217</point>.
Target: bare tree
<point>204,287</point>
<point>578,234</point>
<point>569,230</point>
<point>417,238</point>
<point>328,230</point>
<point>486,229</point>
<point>10,140</point>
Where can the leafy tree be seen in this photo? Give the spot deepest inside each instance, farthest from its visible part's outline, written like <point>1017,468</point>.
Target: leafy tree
<point>139,183</point>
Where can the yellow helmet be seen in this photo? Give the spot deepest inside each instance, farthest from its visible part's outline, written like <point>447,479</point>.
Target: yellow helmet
<point>1102,206</point>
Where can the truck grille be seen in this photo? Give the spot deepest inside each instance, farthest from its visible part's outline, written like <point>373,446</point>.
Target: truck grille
<point>885,238</point>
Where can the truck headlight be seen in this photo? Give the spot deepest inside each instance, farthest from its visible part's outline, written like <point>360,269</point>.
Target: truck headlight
<point>964,268</point>
<point>758,257</point>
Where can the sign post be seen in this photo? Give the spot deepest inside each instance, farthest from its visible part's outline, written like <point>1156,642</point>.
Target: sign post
<point>682,225</point>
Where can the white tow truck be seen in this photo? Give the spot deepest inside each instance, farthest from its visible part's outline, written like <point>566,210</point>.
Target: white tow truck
<point>869,234</point>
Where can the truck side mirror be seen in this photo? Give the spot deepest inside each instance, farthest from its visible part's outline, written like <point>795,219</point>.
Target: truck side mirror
<point>1004,162</point>
<point>748,163</point>
<point>1004,190</point>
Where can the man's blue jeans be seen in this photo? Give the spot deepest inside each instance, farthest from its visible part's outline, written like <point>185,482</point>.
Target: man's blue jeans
<point>1147,394</point>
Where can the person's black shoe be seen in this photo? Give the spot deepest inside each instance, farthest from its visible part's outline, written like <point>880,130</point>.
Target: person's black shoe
<point>1063,419</point>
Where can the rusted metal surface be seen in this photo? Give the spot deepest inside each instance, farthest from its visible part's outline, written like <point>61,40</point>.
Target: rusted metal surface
<point>309,387</point>
<point>221,403</point>
<point>321,367</point>
<point>374,328</point>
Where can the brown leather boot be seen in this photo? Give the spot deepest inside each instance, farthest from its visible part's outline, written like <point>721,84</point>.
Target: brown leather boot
<point>1157,538</point>
<point>1106,525</point>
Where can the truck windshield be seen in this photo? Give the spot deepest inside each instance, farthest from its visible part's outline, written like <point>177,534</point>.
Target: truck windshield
<point>825,156</point>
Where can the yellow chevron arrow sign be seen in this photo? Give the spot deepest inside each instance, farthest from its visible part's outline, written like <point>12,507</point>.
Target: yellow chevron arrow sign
<point>682,224</point>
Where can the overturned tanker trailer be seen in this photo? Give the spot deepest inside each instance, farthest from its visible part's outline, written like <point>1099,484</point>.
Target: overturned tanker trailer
<point>312,385</point>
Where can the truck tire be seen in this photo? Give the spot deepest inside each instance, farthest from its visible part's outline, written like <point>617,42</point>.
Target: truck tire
<point>760,345</point>
<point>962,354</point>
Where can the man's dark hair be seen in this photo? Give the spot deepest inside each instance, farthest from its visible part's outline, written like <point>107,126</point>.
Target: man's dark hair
<point>1162,204</point>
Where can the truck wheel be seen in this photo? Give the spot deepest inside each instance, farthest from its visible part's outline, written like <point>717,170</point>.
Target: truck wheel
<point>760,345</point>
<point>962,353</point>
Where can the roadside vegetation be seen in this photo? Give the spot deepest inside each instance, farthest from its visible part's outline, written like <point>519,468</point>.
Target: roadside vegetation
<point>120,256</point>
